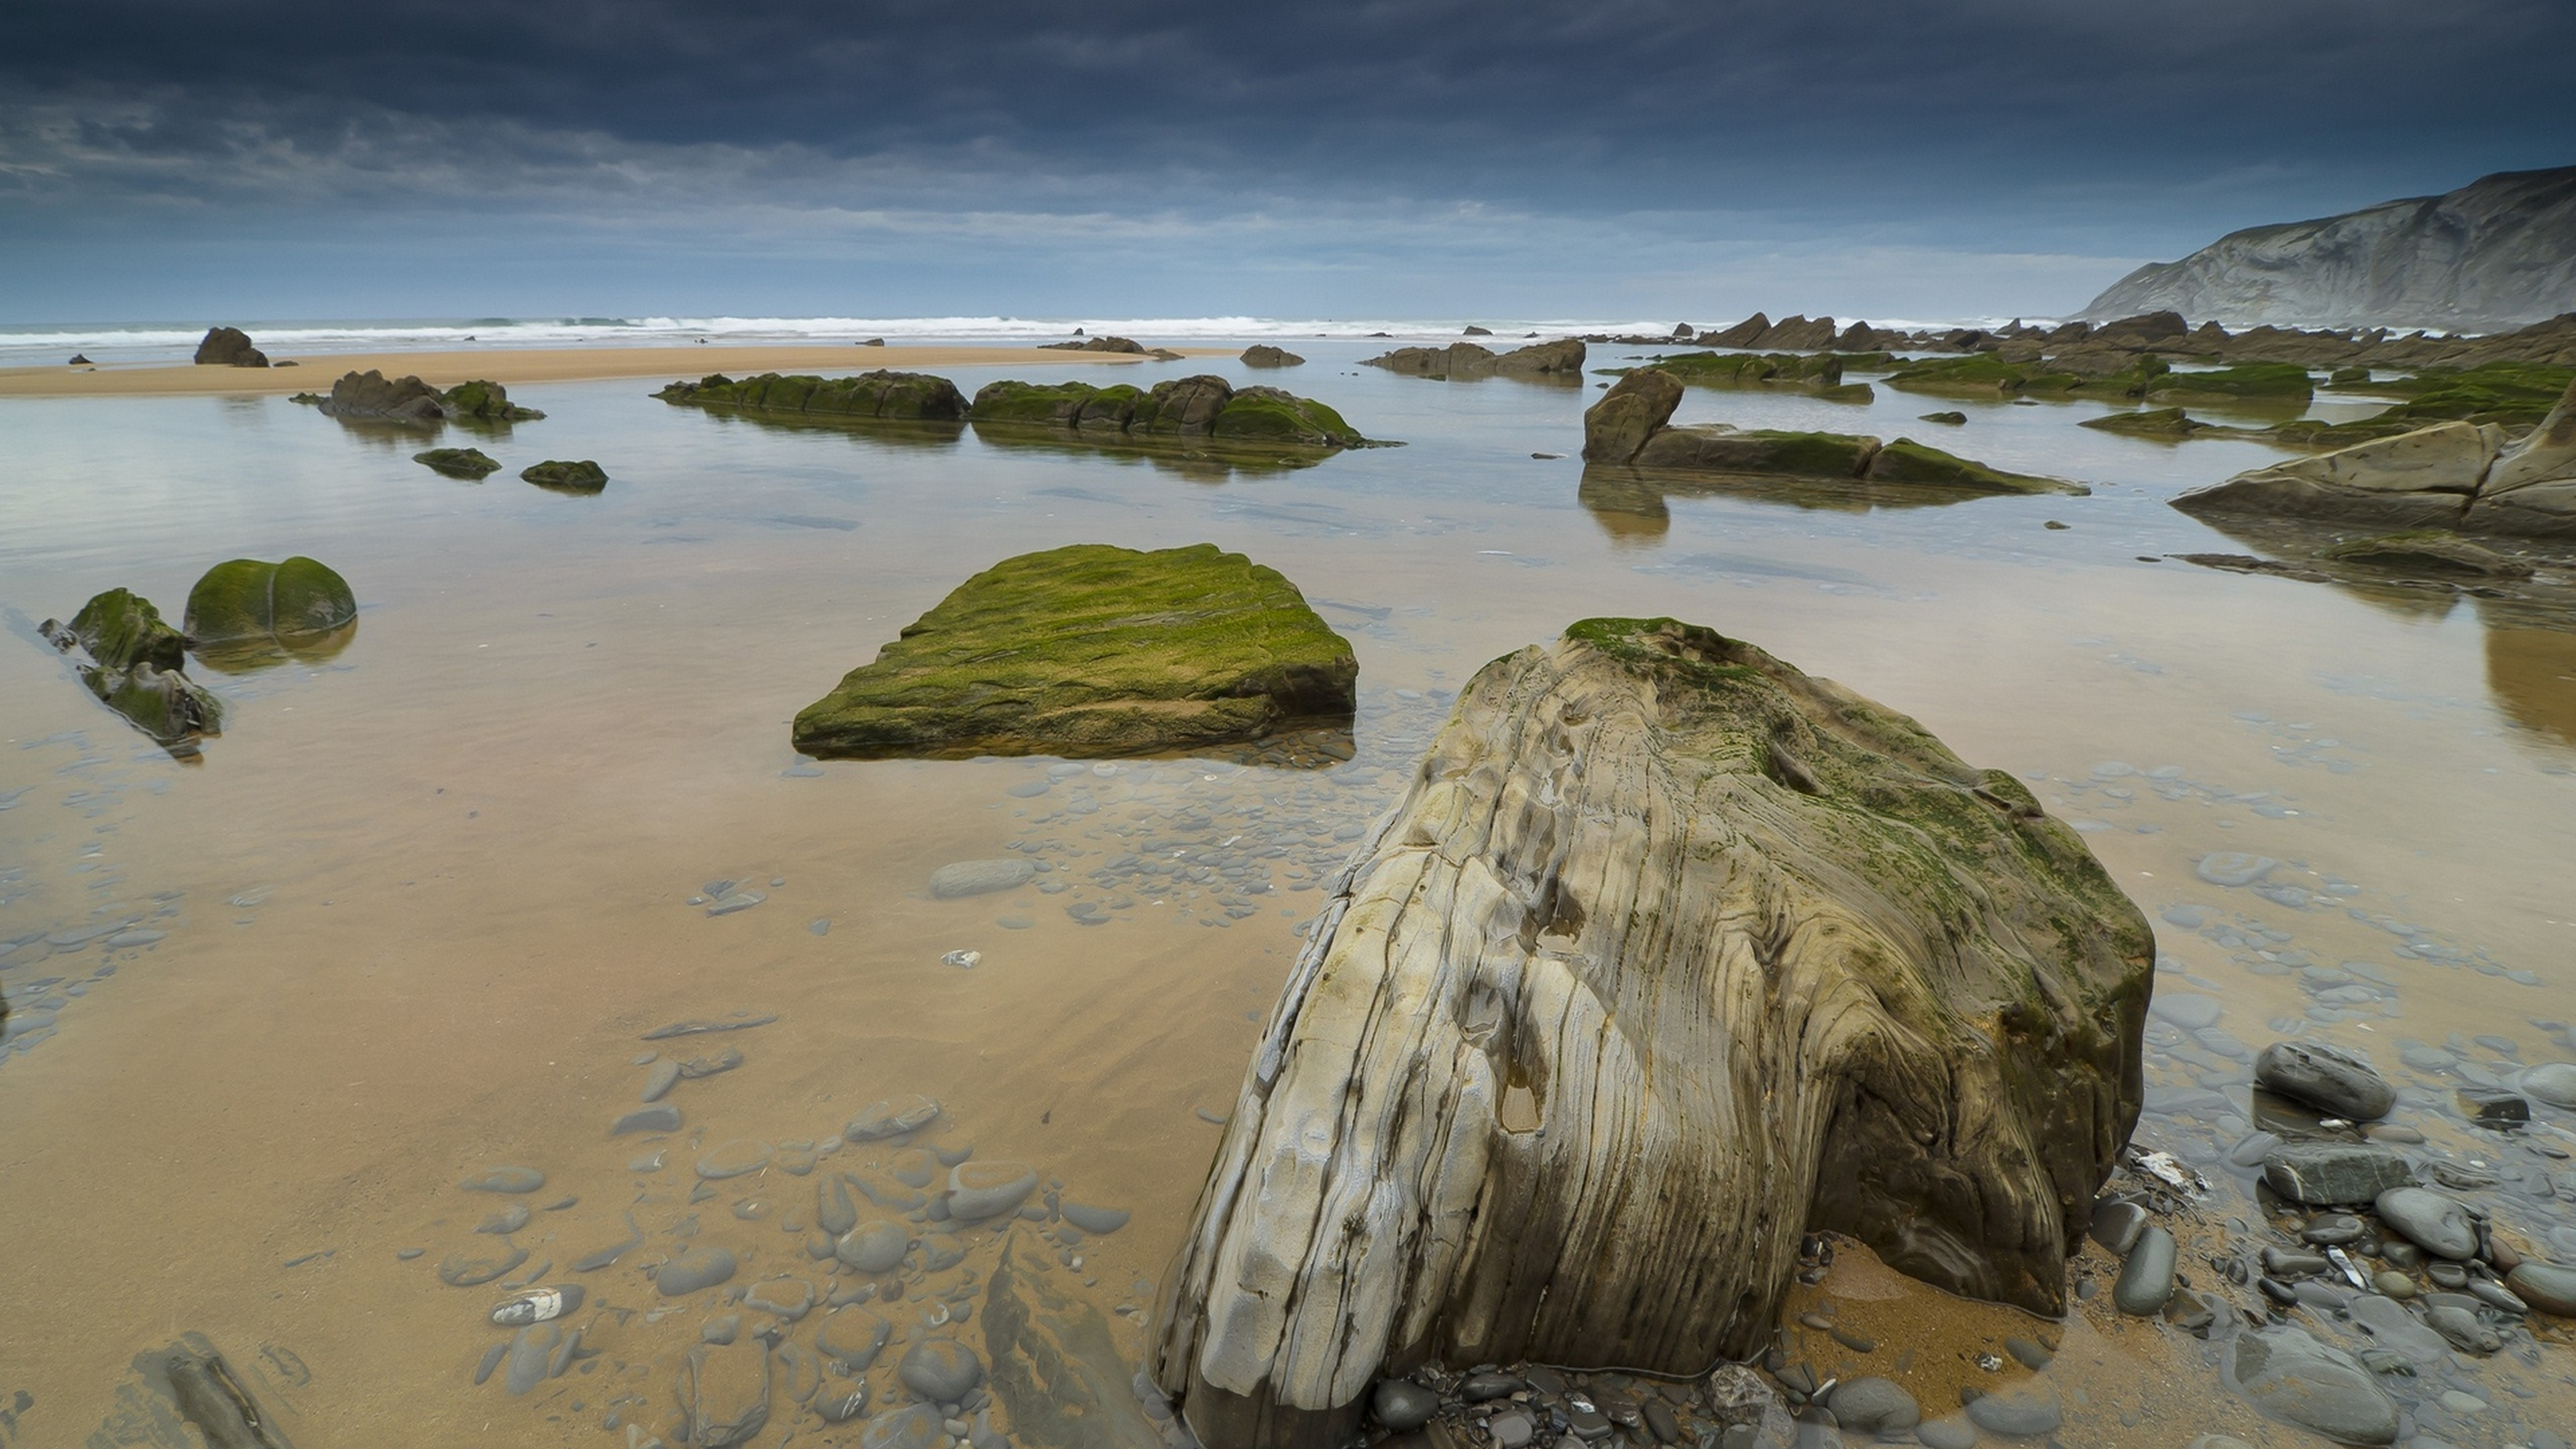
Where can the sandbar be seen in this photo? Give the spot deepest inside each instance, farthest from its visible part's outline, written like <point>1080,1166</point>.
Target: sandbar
<point>515,365</point>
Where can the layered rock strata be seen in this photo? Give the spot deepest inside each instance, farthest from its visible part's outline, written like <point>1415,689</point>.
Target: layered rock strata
<point>1671,954</point>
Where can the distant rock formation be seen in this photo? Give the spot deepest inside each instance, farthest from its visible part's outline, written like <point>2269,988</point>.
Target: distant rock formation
<point>372,396</point>
<point>1111,344</point>
<point>1671,953</point>
<point>1561,359</point>
<point>1262,354</point>
<point>2497,253</point>
<point>1205,409</point>
<point>229,347</point>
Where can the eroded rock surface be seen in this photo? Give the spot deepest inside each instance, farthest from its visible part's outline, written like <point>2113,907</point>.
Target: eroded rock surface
<point>1559,359</point>
<point>1671,953</point>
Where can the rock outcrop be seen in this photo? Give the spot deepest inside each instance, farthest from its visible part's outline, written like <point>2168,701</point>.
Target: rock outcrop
<point>1630,426</point>
<point>880,395</point>
<point>2496,253</point>
<point>135,666</point>
<point>371,396</point>
<point>458,462</point>
<point>1262,354</point>
<point>2457,475</point>
<point>1671,953</point>
<point>1094,651</point>
<point>1819,373</point>
<point>1561,359</point>
<point>575,475</point>
<point>229,347</point>
<point>1203,409</point>
<point>247,612</point>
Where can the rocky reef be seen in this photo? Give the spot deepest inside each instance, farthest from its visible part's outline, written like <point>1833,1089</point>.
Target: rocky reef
<point>1630,426</point>
<point>225,347</point>
<point>1111,344</point>
<point>458,462</point>
<point>881,395</point>
<point>242,614</point>
<point>136,667</point>
<point>1094,651</point>
<point>1204,408</point>
<point>2453,475</point>
<point>2496,253</point>
<point>1819,374</point>
<point>373,397</point>
<point>1561,360</point>
<point>246,613</point>
<point>1671,953</point>
<point>1262,354</point>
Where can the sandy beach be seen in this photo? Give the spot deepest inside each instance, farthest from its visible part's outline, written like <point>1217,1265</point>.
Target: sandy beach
<point>523,365</point>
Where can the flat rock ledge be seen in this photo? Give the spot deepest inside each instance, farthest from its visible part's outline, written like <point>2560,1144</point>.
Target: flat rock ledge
<point>1562,359</point>
<point>2460,475</point>
<point>1631,426</point>
<point>1671,954</point>
<point>1094,651</point>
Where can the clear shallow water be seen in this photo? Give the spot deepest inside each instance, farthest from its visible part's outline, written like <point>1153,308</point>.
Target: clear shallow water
<point>418,905</point>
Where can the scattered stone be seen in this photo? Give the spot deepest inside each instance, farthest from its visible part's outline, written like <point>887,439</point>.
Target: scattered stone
<point>1873,1406</point>
<point>916,1427</point>
<point>2461,1329</point>
<point>2437,1224</point>
<point>1094,1220</point>
<point>2333,1081</point>
<point>504,1179</point>
<point>464,1270</point>
<point>891,1118</point>
<point>700,1267</point>
<point>941,1370</point>
<point>1512,1429</point>
<point>508,1220</point>
<point>2116,1225</point>
<point>2330,1174</point>
<point>2553,1083</point>
<point>2029,1355</point>
<point>2147,1278</point>
<point>980,877</point>
<point>2028,1410</point>
<point>876,1246</point>
<point>736,1158</point>
<point>2334,1230</point>
<point>1477,1388</point>
<point>2290,1376</point>
<point>2493,1107</point>
<point>660,1117</point>
<point>458,462</point>
<point>852,1337</point>
<point>724,1394</point>
<point>1402,1405</point>
<point>788,1298</point>
<point>1949,1433</point>
<point>981,1190</point>
<point>660,1080</point>
<point>2545,1286</point>
<point>532,1353</point>
<point>2189,1010</point>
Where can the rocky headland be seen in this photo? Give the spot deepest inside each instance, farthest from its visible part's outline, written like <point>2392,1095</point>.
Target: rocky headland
<point>1459,361</point>
<point>1093,651</point>
<point>2497,253</point>
<point>1671,952</point>
<point>1631,427</point>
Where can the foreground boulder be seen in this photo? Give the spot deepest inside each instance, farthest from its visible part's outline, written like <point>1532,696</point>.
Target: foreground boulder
<point>1671,952</point>
<point>134,666</point>
<point>250,609</point>
<point>372,396</point>
<point>226,347</point>
<point>1094,651</point>
<point>1630,425</point>
<point>567,476</point>
<point>1186,409</point>
<point>1562,359</point>
<point>882,395</point>
<point>2457,475</point>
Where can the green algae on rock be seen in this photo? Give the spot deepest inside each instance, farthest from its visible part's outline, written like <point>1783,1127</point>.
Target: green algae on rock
<point>2148,423</point>
<point>1670,953</point>
<point>1201,409</point>
<point>248,611</point>
<point>458,462</point>
<point>2253,381</point>
<point>371,396</point>
<point>1987,374</point>
<point>135,667</point>
<point>1092,650</point>
<point>581,476</point>
<point>882,395</point>
<point>121,629</point>
<point>1819,374</point>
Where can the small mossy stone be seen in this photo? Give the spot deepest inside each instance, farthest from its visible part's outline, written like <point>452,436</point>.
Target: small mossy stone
<point>582,476</point>
<point>248,600</point>
<point>483,400</point>
<point>458,462</point>
<point>1093,650</point>
<point>121,629</point>
<point>1907,461</point>
<point>880,395</point>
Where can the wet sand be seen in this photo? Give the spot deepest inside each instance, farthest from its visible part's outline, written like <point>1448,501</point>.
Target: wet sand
<point>423,901</point>
<point>513,366</point>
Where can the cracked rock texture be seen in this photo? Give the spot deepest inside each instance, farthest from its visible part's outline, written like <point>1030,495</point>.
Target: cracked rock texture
<point>1671,954</point>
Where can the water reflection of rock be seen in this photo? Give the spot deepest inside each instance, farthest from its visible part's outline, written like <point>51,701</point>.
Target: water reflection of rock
<point>1633,505</point>
<point>2531,671</point>
<point>1198,459</point>
<point>2417,575</point>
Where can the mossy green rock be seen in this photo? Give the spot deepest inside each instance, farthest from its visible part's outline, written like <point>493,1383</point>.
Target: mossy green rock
<point>482,400</point>
<point>1987,374</point>
<point>2508,394</point>
<point>2150,423</point>
<point>121,629</point>
<point>163,703</point>
<point>2267,381</point>
<point>882,395</point>
<point>1093,650</point>
<point>246,600</point>
<point>581,476</point>
<point>1198,410</point>
<point>1907,461</point>
<point>458,462</point>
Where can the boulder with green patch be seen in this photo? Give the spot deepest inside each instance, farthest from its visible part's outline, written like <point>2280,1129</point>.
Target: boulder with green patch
<point>458,462</point>
<point>135,666</point>
<point>250,603</point>
<point>1202,410</point>
<point>1092,650</point>
<point>121,629</point>
<point>576,475</point>
<point>1987,374</point>
<point>2249,382</point>
<point>882,396</point>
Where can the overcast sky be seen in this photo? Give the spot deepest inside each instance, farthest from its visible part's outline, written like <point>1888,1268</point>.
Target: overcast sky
<point>196,159</point>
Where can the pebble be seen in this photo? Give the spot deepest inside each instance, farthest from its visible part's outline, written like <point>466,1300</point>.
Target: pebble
<point>2025,1411</point>
<point>890,1118</point>
<point>2233,868</point>
<point>2291,1376</point>
<point>2545,1286</point>
<point>788,1298</point>
<point>2186,1009</point>
<point>2392,1284</point>
<point>981,1190</point>
<point>2437,1224</point>
<point>841,1405</point>
<point>594,1261</point>
<point>660,1117</point>
<point>739,1021</point>
<point>462,1270</point>
<point>508,1220</point>
<point>1512,1429</point>
<point>2553,1083</point>
<point>873,1247</point>
<point>979,877</point>
<point>2116,1225</point>
<point>732,901</point>
<point>1094,1220</point>
<point>2462,1330</point>
<point>723,1328</point>
<point>530,1353</point>
<point>1873,1406</point>
<point>915,1427</point>
<point>1947,1433</point>
<point>834,1211</point>
<point>1402,1405</point>
<point>2031,1356</point>
<point>741,1156</point>
<point>941,1370</point>
<point>2334,1230</point>
<point>2147,1278</point>
<point>2326,1078</point>
<point>2493,1107</point>
<point>504,1179</point>
<point>702,1267</point>
<point>661,1079</point>
<point>2323,1174</point>
<point>1479,1387</point>
<point>491,1360</point>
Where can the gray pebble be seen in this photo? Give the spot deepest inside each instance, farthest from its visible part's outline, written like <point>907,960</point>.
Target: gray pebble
<point>660,1117</point>
<point>979,877</point>
<point>891,1118</point>
<point>702,1267</point>
<point>736,1158</point>
<point>1095,1220</point>
<point>661,1079</point>
<point>982,1190</point>
<point>504,1179</point>
<point>1873,1406</point>
<point>462,1270</point>
<point>491,1360</point>
<point>2029,1410</point>
<point>941,1370</point>
<point>1402,1405</point>
<point>530,1353</point>
<point>2147,1278</point>
<point>2437,1224</point>
<point>722,1329</point>
<point>873,1247</point>
<point>508,1220</point>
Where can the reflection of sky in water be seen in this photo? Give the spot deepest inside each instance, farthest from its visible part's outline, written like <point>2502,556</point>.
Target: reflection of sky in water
<point>450,863</point>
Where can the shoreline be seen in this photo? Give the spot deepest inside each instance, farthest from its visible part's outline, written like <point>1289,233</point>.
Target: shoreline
<point>513,366</point>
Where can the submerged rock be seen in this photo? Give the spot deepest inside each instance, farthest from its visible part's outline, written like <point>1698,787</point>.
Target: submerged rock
<point>1262,354</point>
<point>225,347</point>
<point>135,667</point>
<point>1201,410</point>
<point>1093,651</point>
<point>881,395</point>
<point>2331,1174</point>
<point>2327,1078</point>
<point>458,462</point>
<point>1560,359</point>
<point>1669,944</point>
<point>2290,1376</point>
<point>121,629</point>
<point>250,606</point>
<point>582,476</point>
<point>724,1394</point>
<point>1629,426</point>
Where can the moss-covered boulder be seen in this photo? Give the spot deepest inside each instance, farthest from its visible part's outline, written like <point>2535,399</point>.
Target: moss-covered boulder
<point>881,395</point>
<point>1203,410</point>
<point>371,396</point>
<point>458,462</point>
<point>1561,360</point>
<point>250,602</point>
<point>1671,954</point>
<point>2148,423</point>
<point>1989,374</point>
<point>567,476</point>
<point>163,703</point>
<point>482,400</point>
<point>121,629</point>
<point>1092,650</point>
<point>2251,382</point>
